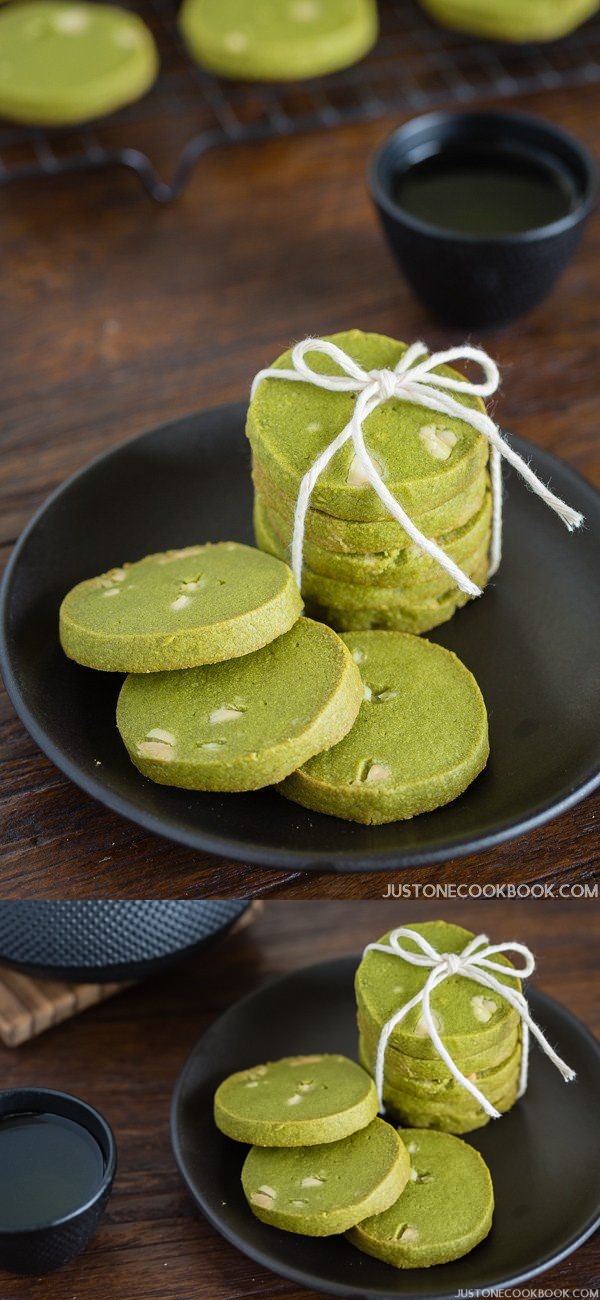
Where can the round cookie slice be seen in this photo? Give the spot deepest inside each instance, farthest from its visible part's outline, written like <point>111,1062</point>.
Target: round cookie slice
<point>67,61</point>
<point>321,1190</point>
<point>298,1101</point>
<point>445,1210</point>
<point>424,459</point>
<point>421,736</point>
<point>278,40</point>
<point>246,723</point>
<point>178,609</point>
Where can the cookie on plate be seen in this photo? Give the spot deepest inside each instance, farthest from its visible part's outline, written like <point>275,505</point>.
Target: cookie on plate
<point>420,738</point>
<point>298,1101</point>
<point>245,723</point>
<point>445,1210</point>
<point>178,609</point>
<point>326,1189</point>
<point>67,61</point>
<point>513,20</point>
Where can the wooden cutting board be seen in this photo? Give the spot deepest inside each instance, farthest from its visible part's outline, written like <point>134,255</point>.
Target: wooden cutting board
<point>29,1005</point>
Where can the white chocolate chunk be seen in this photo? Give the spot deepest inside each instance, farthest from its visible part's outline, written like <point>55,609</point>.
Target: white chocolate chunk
<point>158,733</point>
<point>412,1147</point>
<point>409,1234</point>
<point>180,603</point>
<point>367,693</point>
<point>192,584</point>
<point>112,591</point>
<point>299,1204</point>
<point>306,1087</point>
<point>268,1191</point>
<point>155,749</point>
<point>421,1029</point>
<point>225,715</point>
<point>117,575</point>
<point>71,21</point>
<point>312,1181</point>
<point>293,1101</point>
<point>262,1199</point>
<point>358,656</point>
<point>378,772</point>
<point>313,427</point>
<point>356,476</point>
<point>212,745</point>
<point>252,1083</point>
<point>235,42</point>
<point>304,1060</point>
<point>483,1008</point>
<point>384,696</point>
<point>305,11</point>
<point>438,442</point>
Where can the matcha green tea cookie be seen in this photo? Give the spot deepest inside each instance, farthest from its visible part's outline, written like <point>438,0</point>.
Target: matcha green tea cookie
<point>406,615</point>
<point>245,723</point>
<point>445,1210</point>
<point>421,736</point>
<point>468,1017</point>
<point>321,1190</point>
<point>513,20</point>
<point>299,1101</point>
<point>278,40</point>
<point>66,61</point>
<point>177,609</point>
<point>424,459</point>
<point>400,1067</point>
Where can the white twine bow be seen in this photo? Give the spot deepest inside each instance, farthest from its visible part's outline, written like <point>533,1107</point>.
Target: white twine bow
<point>474,964</point>
<point>412,380</point>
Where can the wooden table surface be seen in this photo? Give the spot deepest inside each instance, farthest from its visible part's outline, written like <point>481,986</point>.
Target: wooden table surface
<point>119,315</point>
<point>125,1056</point>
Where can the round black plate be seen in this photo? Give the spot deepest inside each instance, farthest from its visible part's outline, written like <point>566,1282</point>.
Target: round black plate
<point>109,940</point>
<point>532,642</point>
<point>543,1156</point>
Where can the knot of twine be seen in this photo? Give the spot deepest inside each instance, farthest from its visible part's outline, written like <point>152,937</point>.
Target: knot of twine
<point>413,380</point>
<point>474,963</point>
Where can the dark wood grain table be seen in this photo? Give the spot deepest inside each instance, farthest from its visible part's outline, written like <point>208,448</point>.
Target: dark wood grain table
<point>125,1056</point>
<point>119,315</point>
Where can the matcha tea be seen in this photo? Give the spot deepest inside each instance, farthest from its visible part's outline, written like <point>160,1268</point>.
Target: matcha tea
<point>49,1167</point>
<point>492,192</point>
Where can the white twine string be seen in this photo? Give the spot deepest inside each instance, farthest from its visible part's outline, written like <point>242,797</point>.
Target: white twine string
<point>475,964</point>
<point>412,380</point>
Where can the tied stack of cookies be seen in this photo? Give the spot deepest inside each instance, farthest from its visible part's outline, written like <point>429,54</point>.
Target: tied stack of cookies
<point>480,1030</point>
<point>322,1163</point>
<point>361,569</point>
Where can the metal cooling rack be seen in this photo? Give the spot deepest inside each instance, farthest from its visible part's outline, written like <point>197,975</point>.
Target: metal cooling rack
<point>415,66</point>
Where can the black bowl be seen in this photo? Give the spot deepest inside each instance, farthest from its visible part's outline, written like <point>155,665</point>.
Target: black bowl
<point>478,281</point>
<point>45,1247</point>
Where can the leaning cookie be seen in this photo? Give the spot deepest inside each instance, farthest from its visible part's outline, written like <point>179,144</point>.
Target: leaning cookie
<point>444,1212</point>
<point>298,1101</point>
<point>178,609</point>
<point>322,1190</point>
<point>245,723</point>
<point>420,739</point>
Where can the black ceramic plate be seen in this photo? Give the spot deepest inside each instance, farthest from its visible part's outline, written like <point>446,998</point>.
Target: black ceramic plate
<point>532,642</point>
<point>109,940</point>
<point>543,1156</point>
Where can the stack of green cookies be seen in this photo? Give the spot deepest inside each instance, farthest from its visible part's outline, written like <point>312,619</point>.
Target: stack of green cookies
<point>478,1028</point>
<point>322,1163</point>
<point>361,570</point>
